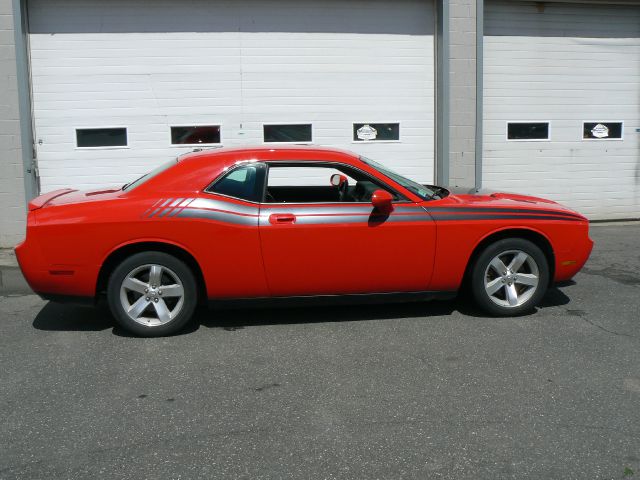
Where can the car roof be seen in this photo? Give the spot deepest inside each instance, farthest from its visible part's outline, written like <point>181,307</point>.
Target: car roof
<point>267,152</point>
<point>210,162</point>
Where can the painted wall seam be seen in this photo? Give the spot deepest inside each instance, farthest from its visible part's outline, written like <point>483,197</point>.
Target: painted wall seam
<point>442,92</point>
<point>479,90</point>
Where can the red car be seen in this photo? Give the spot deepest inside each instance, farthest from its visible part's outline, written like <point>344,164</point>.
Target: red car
<point>291,223</point>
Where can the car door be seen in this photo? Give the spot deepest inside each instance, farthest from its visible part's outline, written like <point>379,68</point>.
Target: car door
<point>323,245</point>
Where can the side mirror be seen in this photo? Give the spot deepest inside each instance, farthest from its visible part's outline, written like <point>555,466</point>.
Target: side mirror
<point>337,179</point>
<point>382,201</point>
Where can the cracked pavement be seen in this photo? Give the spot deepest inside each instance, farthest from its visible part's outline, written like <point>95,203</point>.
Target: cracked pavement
<point>431,390</point>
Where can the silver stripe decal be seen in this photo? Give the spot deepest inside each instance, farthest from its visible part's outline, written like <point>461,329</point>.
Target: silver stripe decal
<point>148,210</point>
<point>181,207</point>
<point>227,217</point>
<point>333,210</point>
<point>164,204</point>
<point>171,207</point>
<point>340,219</point>
<point>316,210</point>
<point>209,203</point>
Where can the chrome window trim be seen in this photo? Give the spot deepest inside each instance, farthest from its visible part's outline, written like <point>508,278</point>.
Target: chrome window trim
<point>242,163</point>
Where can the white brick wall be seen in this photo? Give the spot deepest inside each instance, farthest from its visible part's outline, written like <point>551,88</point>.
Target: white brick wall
<point>462,116</point>
<point>12,198</point>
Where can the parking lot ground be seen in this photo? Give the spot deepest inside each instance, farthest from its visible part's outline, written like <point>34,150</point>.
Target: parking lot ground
<point>426,390</point>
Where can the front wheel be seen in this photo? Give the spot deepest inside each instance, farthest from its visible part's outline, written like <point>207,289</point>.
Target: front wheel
<point>510,277</point>
<point>152,294</point>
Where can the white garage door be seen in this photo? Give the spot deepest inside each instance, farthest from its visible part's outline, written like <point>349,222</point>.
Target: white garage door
<point>331,72</point>
<point>567,80</point>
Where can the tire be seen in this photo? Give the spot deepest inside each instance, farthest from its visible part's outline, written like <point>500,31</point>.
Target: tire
<point>509,277</point>
<point>152,294</point>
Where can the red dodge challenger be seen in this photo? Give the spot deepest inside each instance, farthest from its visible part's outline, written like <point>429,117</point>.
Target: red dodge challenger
<point>301,223</point>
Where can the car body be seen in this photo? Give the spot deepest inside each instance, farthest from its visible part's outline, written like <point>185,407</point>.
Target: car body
<point>241,238</point>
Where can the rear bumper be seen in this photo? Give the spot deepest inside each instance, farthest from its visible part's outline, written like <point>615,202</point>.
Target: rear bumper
<point>53,280</point>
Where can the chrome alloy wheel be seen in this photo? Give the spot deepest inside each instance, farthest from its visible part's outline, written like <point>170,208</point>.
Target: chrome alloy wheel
<point>152,295</point>
<point>511,278</point>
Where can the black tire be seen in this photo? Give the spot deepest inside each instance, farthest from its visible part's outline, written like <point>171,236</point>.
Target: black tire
<point>485,277</point>
<point>176,311</point>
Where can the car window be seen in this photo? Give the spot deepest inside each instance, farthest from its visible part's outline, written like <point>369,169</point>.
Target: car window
<point>245,182</point>
<point>423,191</point>
<point>311,182</point>
<point>149,176</point>
<point>304,176</point>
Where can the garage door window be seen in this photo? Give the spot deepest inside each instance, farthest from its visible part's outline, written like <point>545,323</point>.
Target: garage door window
<point>602,130</point>
<point>195,135</point>
<point>101,137</point>
<point>290,133</point>
<point>376,132</point>
<point>528,131</point>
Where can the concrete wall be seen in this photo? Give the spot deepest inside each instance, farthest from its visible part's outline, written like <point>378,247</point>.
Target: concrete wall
<point>462,101</point>
<point>12,197</point>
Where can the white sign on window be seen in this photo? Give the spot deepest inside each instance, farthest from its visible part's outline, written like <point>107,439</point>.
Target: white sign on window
<point>600,131</point>
<point>367,132</point>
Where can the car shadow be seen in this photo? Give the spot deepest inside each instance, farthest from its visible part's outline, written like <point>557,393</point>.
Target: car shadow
<point>60,317</point>
<point>234,319</point>
<point>64,317</point>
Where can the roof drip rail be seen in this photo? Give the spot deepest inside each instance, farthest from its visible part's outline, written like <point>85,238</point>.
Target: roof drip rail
<point>196,150</point>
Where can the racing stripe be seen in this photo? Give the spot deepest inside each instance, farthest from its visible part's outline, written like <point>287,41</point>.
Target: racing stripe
<point>481,216</point>
<point>226,211</point>
<point>498,210</point>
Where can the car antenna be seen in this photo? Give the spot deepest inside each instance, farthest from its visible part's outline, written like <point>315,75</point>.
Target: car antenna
<point>196,150</point>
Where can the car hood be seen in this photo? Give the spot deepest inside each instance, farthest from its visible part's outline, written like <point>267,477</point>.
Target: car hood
<point>485,200</point>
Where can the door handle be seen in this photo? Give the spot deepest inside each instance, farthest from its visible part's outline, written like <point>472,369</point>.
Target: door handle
<point>280,218</point>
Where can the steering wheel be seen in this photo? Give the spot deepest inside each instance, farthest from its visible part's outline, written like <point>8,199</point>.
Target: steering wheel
<point>269,198</point>
<point>343,190</point>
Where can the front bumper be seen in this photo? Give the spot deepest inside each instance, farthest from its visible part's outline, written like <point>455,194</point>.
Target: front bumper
<point>571,262</point>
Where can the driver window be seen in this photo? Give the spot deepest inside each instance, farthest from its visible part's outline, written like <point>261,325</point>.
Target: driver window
<point>319,184</point>
<point>303,176</point>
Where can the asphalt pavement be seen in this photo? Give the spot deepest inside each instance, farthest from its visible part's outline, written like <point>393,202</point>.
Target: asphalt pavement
<point>427,390</point>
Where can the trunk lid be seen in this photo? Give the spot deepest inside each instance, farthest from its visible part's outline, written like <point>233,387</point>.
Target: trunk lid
<point>68,195</point>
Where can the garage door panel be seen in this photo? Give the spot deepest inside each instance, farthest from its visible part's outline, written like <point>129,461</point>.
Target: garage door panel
<point>148,65</point>
<point>506,18</point>
<point>566,65</point>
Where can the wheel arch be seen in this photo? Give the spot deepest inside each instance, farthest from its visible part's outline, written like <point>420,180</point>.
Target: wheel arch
<point>119,253</point>
<point>534,236</point>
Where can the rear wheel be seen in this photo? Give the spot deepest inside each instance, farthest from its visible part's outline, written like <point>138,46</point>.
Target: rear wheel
<point>152,294</point>
<point>510,277</point>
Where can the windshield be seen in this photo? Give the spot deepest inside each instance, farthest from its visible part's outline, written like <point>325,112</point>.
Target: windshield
<point>420,190</point>
<point>148,176</point>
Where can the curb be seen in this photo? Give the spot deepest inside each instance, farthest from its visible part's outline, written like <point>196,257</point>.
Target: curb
<point>12,282</point>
